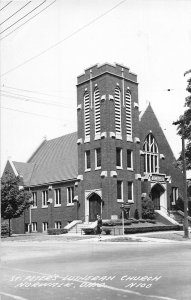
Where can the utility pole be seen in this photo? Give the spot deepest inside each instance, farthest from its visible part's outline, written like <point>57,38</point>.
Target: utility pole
<point>186,232</point>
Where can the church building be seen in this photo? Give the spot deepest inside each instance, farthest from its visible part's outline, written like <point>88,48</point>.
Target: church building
<point>117,155</point>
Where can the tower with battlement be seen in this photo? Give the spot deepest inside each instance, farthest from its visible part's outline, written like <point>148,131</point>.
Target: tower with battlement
<point>108,141</point>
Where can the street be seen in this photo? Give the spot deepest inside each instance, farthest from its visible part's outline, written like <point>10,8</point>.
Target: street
<point>95,270</point>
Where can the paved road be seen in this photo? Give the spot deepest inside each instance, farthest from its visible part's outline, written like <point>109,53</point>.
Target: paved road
<point>95,270</point>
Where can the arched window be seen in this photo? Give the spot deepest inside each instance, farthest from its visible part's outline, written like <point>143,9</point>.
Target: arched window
<point>97,122</point>
<point>151,159</point>
<point>128,114</point>
<point>87,115</point>
<point>117,111</point>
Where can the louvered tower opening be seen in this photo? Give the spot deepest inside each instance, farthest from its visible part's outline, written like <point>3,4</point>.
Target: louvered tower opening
<point>128,114</point>
<point>97,121</point>
<point>87,115</point>
<point>118,111</point>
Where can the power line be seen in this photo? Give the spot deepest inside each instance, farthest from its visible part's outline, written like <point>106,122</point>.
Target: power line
<point>15,13</point>
<point>28,20</point>
<point>30,113</point>
<point>31,99</point>
<point>23,17</point>
<point>66,38</point>
<point>34,92</point>
<point>6,5</point>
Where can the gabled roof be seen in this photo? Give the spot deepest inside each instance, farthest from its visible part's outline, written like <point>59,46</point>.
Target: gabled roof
<point>149,123</point>
<point>25,170</point>
<point>55,160</point>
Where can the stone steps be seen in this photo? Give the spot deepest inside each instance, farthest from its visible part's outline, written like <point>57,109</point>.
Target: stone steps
<point>78,227</point>
<point>177,217</point>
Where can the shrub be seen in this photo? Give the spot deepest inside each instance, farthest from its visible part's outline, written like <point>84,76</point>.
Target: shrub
<point>56,231</point>
<point>150,221</point>
<point>112,222</point>
<point>142,220</point>
<point>147,208</point>
<point>133,220</point>
<point>136,214</point>
<point>127,222</point>
<point>107,223</point>
<point>88,230</point>
<point>107,231</point>
<point>118,222</point>
<point>180,205</point>
<point>151,229</point>
<point>5,229</point>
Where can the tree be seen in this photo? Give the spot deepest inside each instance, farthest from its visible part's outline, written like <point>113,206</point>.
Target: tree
<point>13,199</point>
<point>185,120</point>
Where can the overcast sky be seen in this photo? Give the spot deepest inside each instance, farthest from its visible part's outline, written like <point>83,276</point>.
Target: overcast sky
<point>42,57</point>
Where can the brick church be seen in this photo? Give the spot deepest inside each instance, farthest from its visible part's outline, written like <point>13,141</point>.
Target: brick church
<point>117,155</point>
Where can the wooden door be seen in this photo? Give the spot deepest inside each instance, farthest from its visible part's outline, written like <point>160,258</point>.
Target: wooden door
<point>94,207</point>
<point>156,199</point>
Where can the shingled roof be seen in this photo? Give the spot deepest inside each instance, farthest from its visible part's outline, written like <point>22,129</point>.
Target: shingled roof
<point>54,161</point>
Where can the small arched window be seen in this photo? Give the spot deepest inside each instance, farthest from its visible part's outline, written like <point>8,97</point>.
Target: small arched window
<point>87,115</point>
<point>151,158</point>
<point>128,113</point>
<point>97,122</point>
<point>117,111</point>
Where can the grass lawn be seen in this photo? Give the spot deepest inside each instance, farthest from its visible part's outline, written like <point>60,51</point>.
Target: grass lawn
<point>40,237</point>
<point>122,239</point>
<point>175,236</point>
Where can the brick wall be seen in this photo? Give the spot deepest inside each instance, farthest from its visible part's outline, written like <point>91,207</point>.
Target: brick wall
<point>106,78</point>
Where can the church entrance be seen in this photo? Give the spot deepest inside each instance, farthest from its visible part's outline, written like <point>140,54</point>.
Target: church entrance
<point>94,207</point>
<point>156,192</point>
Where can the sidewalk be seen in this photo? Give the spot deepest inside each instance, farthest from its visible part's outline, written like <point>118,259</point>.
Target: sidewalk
<point>151,237</point>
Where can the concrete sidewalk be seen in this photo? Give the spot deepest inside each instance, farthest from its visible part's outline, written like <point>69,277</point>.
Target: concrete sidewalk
<point>139,237</point>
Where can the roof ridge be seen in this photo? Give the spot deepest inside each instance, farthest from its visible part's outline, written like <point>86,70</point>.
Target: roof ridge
<point>41,144</point>
<point>142,112</point>
<point>71,133</point>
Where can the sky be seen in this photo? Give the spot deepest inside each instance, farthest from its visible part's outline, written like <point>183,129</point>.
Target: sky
<point>48,43</point>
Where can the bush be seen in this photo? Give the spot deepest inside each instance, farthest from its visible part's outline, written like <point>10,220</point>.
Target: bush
<point>5,229</point>
<point>136,214</point>
<point>89,230</point>
<point>150,221</point>
<point>127,222</point>
<point>142,220</point>
<point>107,231</point>
<point>55,231</point>
<point>112,222</point>
<point>147,208</point>
<point>180,205</point>
<point>151,229</point>
<point>135,221</point>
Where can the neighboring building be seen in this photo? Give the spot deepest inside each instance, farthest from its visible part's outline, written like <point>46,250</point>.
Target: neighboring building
<point>116,155</point>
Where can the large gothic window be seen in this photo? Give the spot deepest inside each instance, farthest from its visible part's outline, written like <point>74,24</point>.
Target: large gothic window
<point>151,158</point>
<point>87,116</point>
<point>97,122</point>
<point>117,111</point>
<point>128,114</point>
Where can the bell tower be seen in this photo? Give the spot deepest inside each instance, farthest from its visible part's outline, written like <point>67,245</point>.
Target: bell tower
<point>108,139</point>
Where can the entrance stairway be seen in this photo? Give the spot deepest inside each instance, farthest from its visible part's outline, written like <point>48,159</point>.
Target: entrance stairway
<point>175,217</point>
<point>76,226</point>
<point>165,218</point>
